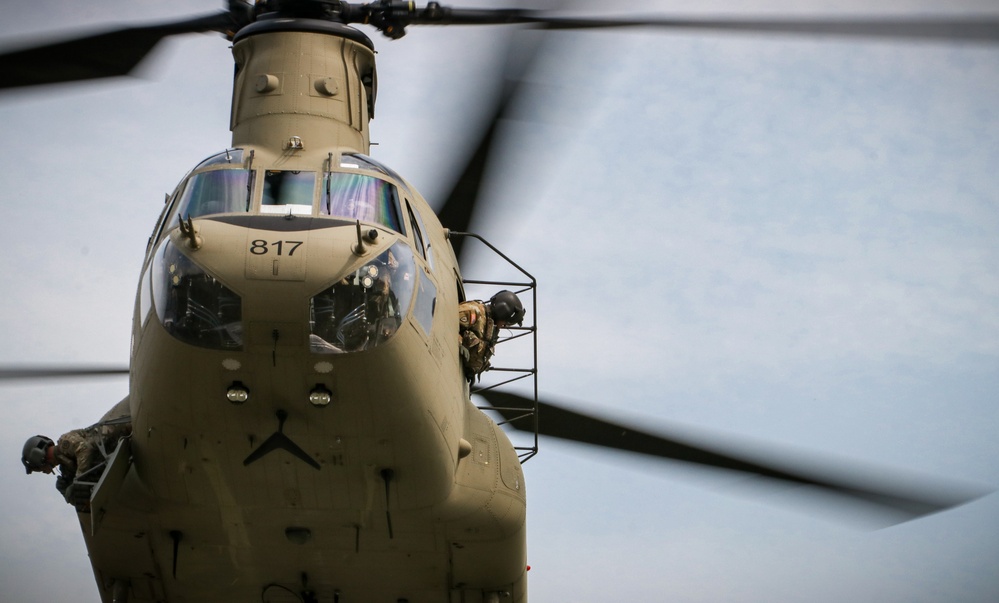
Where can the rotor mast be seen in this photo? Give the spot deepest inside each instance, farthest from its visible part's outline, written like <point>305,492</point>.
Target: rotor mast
<point>302,83</point>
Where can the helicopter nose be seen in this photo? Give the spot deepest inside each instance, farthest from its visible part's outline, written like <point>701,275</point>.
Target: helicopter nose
<point>280,248</point>
<point>327,281</point>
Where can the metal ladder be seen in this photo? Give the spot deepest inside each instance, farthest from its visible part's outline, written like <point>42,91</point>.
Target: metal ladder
<point>527,415</point>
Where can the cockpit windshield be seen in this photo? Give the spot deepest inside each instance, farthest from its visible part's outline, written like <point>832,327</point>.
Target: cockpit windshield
<point>225,183</point>
<point>360,197</point>
<point>220,184</point>
<point>215,192</point>
<point>287,191</point>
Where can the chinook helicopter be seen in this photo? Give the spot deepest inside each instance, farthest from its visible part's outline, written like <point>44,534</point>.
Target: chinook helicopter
<point>313,578</point>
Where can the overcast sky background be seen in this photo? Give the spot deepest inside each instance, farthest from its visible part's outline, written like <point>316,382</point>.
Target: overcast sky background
<point>781,240</point>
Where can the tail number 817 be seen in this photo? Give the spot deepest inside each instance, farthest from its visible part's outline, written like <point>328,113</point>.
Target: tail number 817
<point>262,247</point>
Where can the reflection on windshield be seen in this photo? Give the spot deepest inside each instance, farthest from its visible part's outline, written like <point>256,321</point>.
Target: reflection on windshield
<point>357,161</point>
<point>360,197</point>
<point>366,307</point>
<point>214,192</point>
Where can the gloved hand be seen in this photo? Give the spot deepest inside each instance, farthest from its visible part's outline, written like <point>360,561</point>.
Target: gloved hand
<point>63,482</point>
<point>77,494</point>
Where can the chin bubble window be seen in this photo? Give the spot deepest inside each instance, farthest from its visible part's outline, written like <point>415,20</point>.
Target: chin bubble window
<point>366,307</point>
<point>192,305</point>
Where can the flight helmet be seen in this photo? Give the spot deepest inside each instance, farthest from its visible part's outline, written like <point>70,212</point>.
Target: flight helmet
<point>35,450</point>
<point>506,307</point>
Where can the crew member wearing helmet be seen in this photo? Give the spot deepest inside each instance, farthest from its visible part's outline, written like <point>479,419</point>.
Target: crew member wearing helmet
<point>77,451</point>
<point>73,455</point>
<point>479,324</point>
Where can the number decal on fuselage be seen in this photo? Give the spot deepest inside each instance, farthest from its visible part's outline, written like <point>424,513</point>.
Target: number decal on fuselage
<point>262,247</point>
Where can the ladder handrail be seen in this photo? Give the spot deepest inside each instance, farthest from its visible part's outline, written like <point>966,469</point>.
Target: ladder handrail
<point>525,452</point>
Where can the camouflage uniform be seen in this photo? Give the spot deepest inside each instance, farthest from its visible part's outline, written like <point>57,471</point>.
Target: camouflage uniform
<point>75,453</point>
<point>478,336</point>
<point>78,451</point>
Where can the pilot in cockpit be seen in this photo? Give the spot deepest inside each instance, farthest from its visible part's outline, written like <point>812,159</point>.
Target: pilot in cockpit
<point>364,308</point>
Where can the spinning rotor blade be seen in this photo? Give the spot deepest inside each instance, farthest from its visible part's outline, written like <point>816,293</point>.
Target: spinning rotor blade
<point>984,29</point>
<point>118,52</point>
<point>53,372</point>
<point>107,54</point>
<point>459,206</point>
<point>559,422</point>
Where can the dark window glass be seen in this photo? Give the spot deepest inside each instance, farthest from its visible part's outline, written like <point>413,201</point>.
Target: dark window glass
<point>288,192</point>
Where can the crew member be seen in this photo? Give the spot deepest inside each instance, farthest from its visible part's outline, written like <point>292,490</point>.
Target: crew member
<point>77,451</point>
<point>479,324</point>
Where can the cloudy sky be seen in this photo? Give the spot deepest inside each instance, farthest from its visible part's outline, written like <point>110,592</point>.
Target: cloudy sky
<point>781,240</point>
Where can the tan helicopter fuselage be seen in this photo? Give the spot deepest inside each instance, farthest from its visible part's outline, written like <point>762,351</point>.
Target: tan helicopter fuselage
<point>270,455</point>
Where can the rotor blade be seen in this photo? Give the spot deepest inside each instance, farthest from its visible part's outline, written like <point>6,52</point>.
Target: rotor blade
<point>107,54</point>
<point>561,423</point>
<point>458,209</point>
<point>459,205</point>
<point>983,28</point>
<point>54,372</point>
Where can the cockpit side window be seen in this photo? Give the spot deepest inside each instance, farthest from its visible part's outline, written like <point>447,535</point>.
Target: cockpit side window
<point>426,290</point>
<point>417,232</point>
<point>164,215</point>
<point>360,197</point>
<point>421,228</point>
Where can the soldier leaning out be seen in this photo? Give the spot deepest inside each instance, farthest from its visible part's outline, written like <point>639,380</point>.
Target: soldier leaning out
<point>479,324</point>
<point>77,451</point>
